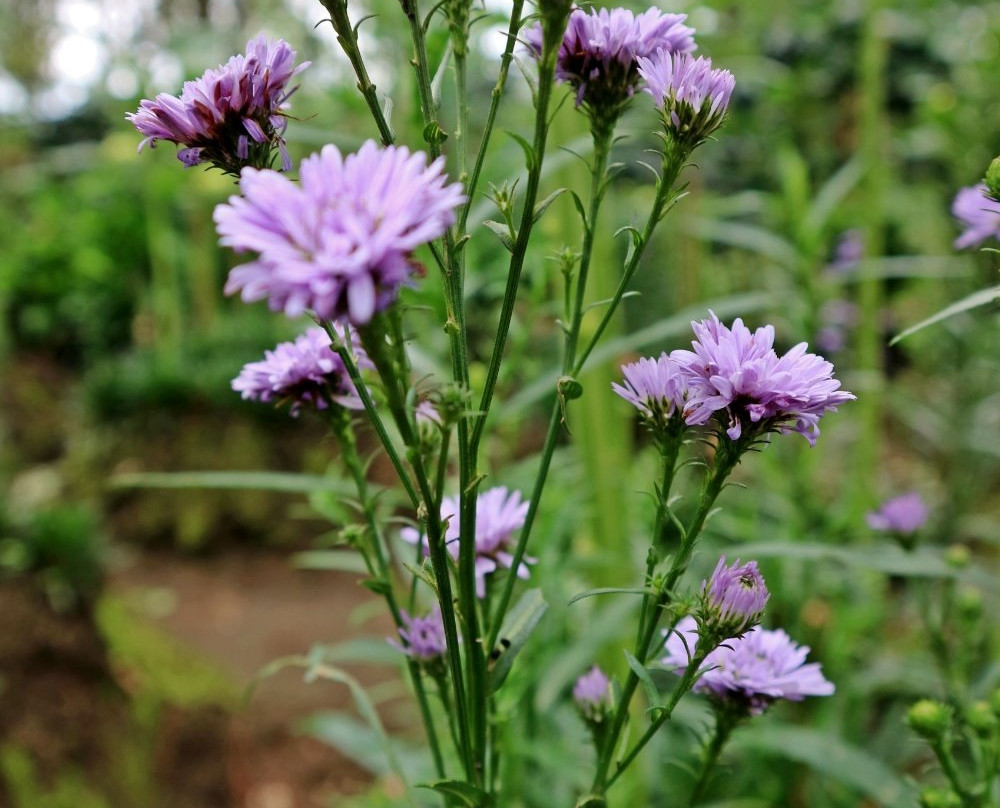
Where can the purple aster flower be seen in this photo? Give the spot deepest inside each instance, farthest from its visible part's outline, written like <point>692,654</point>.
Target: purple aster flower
<point>733,599</point>
<point>232,116</point>
<point>904,514</point>
<point>692,97</point>
<point>753,670</point>
<point>655,387</point>
<point>427,416</point>
<point>735,376</point>
<point>592,694</point>
<point>307,371</point>
<point>423,637</point>
<point>978,214</point>
<point>848,252</point>
<point>600,48</point>
<point>339,242</point>
<point>499,514</point>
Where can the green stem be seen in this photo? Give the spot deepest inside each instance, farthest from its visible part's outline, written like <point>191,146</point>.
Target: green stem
<point>950,769</point>
<point>723,729</point>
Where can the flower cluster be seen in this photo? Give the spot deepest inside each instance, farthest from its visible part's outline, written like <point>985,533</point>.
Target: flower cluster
<point>736,377</point>
<point>904,514</point>
<point>732,600</point>
<point>750,672</point>
<point>304,372</point>
<point>423,637</point>
<point>233,116</point>
<point>978,214</point>
<point>499,514</point>
<point>592,694</point>
<point>599,52</point>
<point>340,241</point>
<point>692,97</point>
<point>655,387</point>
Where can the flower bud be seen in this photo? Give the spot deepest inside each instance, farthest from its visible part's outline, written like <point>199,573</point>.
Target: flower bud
<point>958,556</point>
<point>592,694</point>
<point>980,717</point>
<point>939,798</point>
<point>993,179</point>
<point>732,600</point>
<point>929,719</point>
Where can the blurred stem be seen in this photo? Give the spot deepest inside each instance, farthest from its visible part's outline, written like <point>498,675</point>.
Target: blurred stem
<point>710,756</point>
<point>874,139</point>
<point>941,749</point>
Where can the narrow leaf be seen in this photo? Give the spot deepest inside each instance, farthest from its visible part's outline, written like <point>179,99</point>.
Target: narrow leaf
<point>502,232</point>
<point>980,298</point>
<point>235,480</point>
<point>466,792</point>
<point>652,694</point>
<point>338,560</point>
<point>517,626</point>
<point>609,590</point>
<point>541,207</point>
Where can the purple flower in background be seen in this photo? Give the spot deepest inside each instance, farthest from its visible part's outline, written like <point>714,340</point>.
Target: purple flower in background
<point>655,387</point>
<point>427,416</point>
<point>340,241</point>
<point>600,48</point>
<point>849,251</point>
<point>692,97</point>
<point>423,637</point>
<point>736,376</point>
<point>592,694</point>
<point>904,514</point>
<point>304,372</point>
<point>733,599</point>
<point>232,116</point>
<point>499,514</point>
<point>978,214</point>
<point>753,671</point>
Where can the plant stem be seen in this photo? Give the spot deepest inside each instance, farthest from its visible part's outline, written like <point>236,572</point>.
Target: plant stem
<point>723,729</point>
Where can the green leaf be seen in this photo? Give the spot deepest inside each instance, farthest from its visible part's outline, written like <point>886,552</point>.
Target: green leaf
<point>541,207</point>
<point>234,480</point>
<point>517,626</point>
<point>360,743</point>
<point>980,298</point>
<point>609,590</point>
<point>832,757</point>
<point>502,232</point>
<point>652,694</point>
<point>466,792</point>
<point>339,560</point>
<point>529,152</point>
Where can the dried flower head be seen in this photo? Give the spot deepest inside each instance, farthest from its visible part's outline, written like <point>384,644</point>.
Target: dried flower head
<point>340,241</point>
<point>592,694</point>
<point>979,215</point>
<point>736,377</point>
<point>306,372</point>
<point>233,116</point>
<point>751,672</point>
<point>692,97</point>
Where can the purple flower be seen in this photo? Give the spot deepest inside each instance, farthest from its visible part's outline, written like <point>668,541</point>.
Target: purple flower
<point>978,214</point>
<point>904,514</point>
<point>753,671</point>
<point>849,251</point>
<point>427,416</point>
<point>655,387</point>
<point>599,51</point>
<point>733,599</point>
<point>232,116</point>
<point>592,694</point>
<point>340,241</point>
<point>692,97</point>
<point>499,514</point>
<point>736,376</point>
<point>423,637</point>
<point>306,371</point>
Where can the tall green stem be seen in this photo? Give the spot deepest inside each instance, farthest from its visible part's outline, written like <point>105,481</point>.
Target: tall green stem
<point>710,756</point>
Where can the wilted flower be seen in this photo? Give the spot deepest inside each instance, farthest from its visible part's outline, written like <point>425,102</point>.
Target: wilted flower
<point>732,600</point>
<point>340,241</point>
<point>692,97</point>
<point>423,637</point>
<point>232,116</point>
<point>655,387</point>
<point>592,694</point>
<point>904,514</point>
<point>750,672</point>
<point>978,214</point>
<point>736,376</point>
<point>600,48</point>
<point>499,514</point>
<point>304,372</point>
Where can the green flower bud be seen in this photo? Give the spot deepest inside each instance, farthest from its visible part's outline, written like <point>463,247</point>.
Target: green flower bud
<point>939,798</point>
<point>969,603</point>
<point>981,719</point>
<point>958,556</point>
<point>929,719</point>
<point>992,179</point>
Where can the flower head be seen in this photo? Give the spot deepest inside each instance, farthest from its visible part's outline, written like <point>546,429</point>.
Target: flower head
<point>340,241</point>
<point>499,515</point>
<point>736,376</point>
<point>423,637</point>
<point>592,694</point>
<point>655,387</point>
<point>904,514</point>
<point>732,600</point>
<point>978,214</point>
<point>600,48</point>
<point>750,672</point>
<point>692,97</point>
<point>304,372</point>
<point>233,116</point>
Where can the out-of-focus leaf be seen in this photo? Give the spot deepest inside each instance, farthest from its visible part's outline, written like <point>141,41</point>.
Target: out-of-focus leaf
<point>235,480</point>
<point>518,624</point>
<point>980,298</point>
<point>339,560</point>
<point>359,742</point>
<point>609,590</point>
<point>652,694</point>
<point>466,792</point>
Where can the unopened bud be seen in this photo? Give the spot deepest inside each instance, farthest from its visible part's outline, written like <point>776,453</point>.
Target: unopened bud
<point>980,717</point>
<point>929,719</point>
<point>993,179</point>
<point>939,798</point>
<point>958,556</point>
